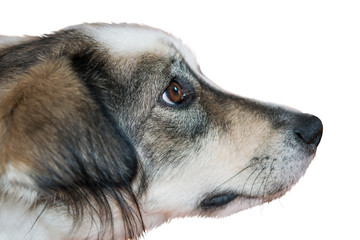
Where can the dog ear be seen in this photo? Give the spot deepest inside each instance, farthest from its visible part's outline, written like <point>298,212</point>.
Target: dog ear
<point>55,132</point>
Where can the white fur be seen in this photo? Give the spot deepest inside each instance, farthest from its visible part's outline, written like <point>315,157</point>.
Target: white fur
<point>6,41</point>
<point>177,193</point>
<point>21,223</point>
<point>131,39</point>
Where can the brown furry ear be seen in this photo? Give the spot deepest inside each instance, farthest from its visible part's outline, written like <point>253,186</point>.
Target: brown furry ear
<point>53,131</point>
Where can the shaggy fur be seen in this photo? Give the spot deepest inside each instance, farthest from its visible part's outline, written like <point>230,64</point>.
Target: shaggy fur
<point>93,144</point>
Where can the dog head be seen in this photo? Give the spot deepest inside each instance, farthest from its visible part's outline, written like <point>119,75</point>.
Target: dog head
<point>118,122</point>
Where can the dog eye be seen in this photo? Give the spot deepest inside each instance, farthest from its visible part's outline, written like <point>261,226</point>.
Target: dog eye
<point>174,94</point>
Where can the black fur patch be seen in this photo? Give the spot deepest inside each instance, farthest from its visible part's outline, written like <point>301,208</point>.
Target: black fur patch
<point>215,201</point>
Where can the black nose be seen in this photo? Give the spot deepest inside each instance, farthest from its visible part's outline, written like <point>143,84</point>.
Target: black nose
<point>308,128</point>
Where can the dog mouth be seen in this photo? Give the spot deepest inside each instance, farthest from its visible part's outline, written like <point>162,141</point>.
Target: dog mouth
<point>220,200</point>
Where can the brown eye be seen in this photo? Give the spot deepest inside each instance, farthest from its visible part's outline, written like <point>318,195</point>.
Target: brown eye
<point>173,94</point>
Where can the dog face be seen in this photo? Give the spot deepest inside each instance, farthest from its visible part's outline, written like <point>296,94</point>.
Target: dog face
<point>109,116</point>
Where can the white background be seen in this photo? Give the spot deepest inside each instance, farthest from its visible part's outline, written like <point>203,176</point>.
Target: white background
<point>304,54</point>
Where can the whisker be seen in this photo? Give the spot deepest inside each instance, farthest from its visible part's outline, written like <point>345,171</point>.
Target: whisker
<point>237,174</point>
<point>38,217</point>
<point>248,179</point>
<point>267,179</point>
<point>226,181</point>
<point>242,191</point>
<point>262,170</point>
<point>263,181</point>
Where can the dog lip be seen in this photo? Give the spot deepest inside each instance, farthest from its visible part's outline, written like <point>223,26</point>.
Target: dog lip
<point>218,200</point>
<point>213,201</point>
<point>268,197</point>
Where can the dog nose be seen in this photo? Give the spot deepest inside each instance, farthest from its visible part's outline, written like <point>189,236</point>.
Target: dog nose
<point>308,128</point>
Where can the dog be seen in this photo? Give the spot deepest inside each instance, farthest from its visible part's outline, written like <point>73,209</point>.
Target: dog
<point>108,130</point>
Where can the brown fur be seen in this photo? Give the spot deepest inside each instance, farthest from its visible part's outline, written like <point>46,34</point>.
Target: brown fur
<point>36,102</point>
<point>45,112</point>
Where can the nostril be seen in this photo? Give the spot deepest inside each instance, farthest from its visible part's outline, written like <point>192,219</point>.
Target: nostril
<point>309,138</point>
<point>309,129</point>
<point>317,137</point>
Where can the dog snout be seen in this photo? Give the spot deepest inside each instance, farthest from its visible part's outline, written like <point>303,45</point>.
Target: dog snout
<point>309,129</point>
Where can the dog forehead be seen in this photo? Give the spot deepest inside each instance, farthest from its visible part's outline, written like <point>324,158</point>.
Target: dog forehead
<point>133,39</point>
<point>127,40</point>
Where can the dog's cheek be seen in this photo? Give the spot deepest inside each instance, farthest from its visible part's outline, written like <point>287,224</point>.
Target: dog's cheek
<point>169,135</point>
